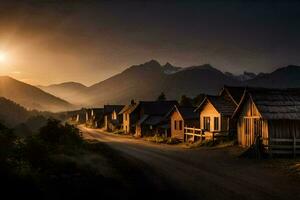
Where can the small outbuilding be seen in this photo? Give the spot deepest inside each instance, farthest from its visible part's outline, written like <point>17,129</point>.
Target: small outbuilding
<point>112,119</point>
<point>271,116</point>
<point>151,117</point>
<point>182,116</point>
<point>215,115</point>
<point>129,118</point>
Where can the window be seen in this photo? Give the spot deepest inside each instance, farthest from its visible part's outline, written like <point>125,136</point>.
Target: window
<point>216,123</point>
<point>180,125</point>
<point>206,123</point>
<point>175,125</point>
<point>126,117</point>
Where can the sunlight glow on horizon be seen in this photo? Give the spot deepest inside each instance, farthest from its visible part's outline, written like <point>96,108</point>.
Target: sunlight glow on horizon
<point>3,57</point>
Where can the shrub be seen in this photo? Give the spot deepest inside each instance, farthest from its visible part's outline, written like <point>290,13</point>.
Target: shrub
<point>55,133</point>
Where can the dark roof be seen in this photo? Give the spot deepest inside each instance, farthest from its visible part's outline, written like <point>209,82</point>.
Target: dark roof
<point>153,120</point>
<point>98,113</point>
<point>223,105</point>
<point>236,93</point>
<point>187,112</point>
<point>275,103</point>
<point>110,108</point>
<point>160,108</point>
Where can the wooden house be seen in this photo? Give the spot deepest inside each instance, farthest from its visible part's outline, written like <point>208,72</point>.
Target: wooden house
<point>182,116</point>
<point>151,117</point>
<point>94,117</point>
<point>112,119</point>
<point>215,115</point>
<point>77,116</point>
<point>271,116</point>
<point>129,118</point>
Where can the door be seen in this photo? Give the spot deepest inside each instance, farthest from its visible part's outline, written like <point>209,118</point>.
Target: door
<point>252,129</point>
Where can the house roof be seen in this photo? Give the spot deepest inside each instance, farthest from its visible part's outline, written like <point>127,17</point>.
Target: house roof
<point>235,93</point>
<point>274,103</point>
<point>128,108</point>
<point>187,112</point>
<point>223,105</point>
<point>160,108</point>
<point>110,108</point>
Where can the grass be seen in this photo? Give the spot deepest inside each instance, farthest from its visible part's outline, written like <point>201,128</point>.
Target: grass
<point>209,143</point>
<point>161,139</point>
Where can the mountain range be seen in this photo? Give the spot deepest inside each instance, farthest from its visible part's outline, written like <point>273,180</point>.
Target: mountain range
<point>141,82</point>
<point>146,81</point>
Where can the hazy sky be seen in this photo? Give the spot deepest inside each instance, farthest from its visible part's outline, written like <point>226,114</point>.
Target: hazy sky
<point>53,41</point>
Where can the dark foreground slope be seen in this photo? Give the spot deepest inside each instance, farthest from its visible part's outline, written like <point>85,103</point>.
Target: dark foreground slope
<point>58,164</point>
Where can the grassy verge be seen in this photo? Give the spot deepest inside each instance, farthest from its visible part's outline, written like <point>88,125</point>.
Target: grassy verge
<point>210,143</point>
<point>162,139</point>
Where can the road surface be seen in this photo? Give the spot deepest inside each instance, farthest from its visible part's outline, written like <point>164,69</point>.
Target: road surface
<point>204,173</point>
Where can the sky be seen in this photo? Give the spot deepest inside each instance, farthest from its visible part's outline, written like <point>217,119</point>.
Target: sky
<point>52,41</point>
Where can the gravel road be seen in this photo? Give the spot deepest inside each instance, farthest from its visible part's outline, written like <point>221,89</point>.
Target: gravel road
<point>204,173</point>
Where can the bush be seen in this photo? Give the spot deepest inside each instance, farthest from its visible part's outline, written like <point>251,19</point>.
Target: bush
<point>7,143</point>
<point>173,141</point>
<point>54,133</point>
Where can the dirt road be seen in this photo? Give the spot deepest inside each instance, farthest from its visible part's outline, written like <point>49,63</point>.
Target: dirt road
<point>204,173</point>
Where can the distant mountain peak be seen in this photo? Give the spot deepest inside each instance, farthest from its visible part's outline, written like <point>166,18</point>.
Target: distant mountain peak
<point>152,63</point>
<point>201,67</point>
<point>170,69</point>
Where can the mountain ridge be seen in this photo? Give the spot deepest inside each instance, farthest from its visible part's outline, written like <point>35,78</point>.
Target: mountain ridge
<point>30,96</point>
<point>146,81</point>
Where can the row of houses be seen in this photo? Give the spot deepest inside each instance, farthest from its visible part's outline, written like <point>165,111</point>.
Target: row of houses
<point>106,118</point>
<point>272,115</point>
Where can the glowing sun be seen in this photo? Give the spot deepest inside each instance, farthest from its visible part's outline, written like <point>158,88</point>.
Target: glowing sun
<point>3,57</point>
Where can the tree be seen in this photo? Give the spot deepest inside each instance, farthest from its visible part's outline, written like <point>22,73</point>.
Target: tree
<point>185,101</point>
<point>161,97</point>
<point>198,99</point>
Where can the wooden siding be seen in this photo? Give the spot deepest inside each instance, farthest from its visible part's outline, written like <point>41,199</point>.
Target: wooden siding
<point>126,123</point>
<point>284,129</point>
<point>176,133</point>
<point>251,124</point>
<point>209,111</point>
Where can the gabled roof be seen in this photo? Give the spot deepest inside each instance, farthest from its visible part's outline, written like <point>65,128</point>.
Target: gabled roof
<point>128,108</point>
<point>186,112</point>
<point>160,108</point>
<point>235,93</point>
<point>274,103</point>
<point>223,105</point>
<point>108,109</point>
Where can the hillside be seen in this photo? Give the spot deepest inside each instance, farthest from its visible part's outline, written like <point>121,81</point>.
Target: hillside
<point>69,91</point>
<point>148,80</point>
<point>285,77</point>
<point>11,113</point>
<point>195,80</point>
<point>29,96</point>
<point>137,82</point>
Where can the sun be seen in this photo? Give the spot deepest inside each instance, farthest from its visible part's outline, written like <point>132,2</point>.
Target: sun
<point>3,57</point>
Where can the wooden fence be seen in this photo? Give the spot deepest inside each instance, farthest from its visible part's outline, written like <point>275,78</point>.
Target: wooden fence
<point>196,134</point>
<point>284,146</point>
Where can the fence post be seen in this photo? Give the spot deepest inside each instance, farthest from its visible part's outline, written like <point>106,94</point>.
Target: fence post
<point>194,134</point>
